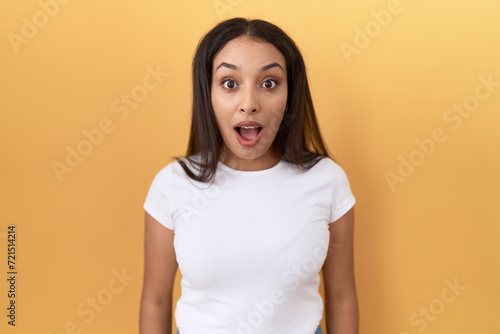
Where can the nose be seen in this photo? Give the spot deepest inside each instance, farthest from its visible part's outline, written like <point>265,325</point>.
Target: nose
<point>249,102</point>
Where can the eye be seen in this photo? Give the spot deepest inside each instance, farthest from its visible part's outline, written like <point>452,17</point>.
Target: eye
<point>270,84</point>
<point>229,84</point>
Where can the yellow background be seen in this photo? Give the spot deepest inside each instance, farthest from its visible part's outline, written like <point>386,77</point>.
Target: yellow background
<point>76,232</point>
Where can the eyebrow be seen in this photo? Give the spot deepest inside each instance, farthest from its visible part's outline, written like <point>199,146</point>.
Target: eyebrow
<point>262,69</point>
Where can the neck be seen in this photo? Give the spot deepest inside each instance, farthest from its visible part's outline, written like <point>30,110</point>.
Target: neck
<point>266,161</point>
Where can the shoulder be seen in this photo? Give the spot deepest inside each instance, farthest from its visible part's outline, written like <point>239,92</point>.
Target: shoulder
<point>332,176</point>
<point>327,167</point>
<point>175,172</point>
<point>324,175</point>
<point>171,169</point>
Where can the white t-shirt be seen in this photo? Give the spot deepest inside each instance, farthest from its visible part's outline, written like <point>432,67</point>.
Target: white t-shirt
<point>250,246</point>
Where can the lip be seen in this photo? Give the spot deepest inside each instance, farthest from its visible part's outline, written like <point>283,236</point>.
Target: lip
<point>244,142</point>
<point>248,123</point>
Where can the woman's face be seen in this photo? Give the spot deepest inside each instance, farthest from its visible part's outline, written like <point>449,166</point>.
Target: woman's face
<point>249,96</point>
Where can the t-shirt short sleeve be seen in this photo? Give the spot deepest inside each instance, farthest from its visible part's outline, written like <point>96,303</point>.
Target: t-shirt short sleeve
<point>342,199</point>
<point>157,202</point>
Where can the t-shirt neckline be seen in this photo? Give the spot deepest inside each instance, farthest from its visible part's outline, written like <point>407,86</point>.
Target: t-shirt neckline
<point>251,172</point>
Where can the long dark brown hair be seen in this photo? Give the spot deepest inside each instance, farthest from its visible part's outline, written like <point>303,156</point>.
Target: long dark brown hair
<point>298,140</point>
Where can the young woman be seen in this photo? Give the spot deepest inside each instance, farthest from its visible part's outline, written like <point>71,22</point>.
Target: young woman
<point>256,208</point>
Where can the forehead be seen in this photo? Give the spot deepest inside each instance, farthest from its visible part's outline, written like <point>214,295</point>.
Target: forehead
<point>245,51</point>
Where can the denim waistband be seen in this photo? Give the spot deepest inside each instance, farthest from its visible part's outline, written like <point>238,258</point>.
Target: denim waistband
<point>318,330</point>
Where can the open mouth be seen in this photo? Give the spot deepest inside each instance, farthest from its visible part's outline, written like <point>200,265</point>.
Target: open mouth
<point>248,135</point>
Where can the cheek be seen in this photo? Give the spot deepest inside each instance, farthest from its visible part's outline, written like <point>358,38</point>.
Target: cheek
<point>276,119</point>
<point>222,102</point>
<point>215,102</point>
<point>277,111</point>
<point>220,110</point>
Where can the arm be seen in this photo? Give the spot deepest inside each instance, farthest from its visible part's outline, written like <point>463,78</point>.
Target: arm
<point>160,266</point>
<point>341,306</point>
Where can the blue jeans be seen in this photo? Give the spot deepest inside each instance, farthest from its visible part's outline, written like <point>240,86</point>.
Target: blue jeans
<point>318,330</point>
